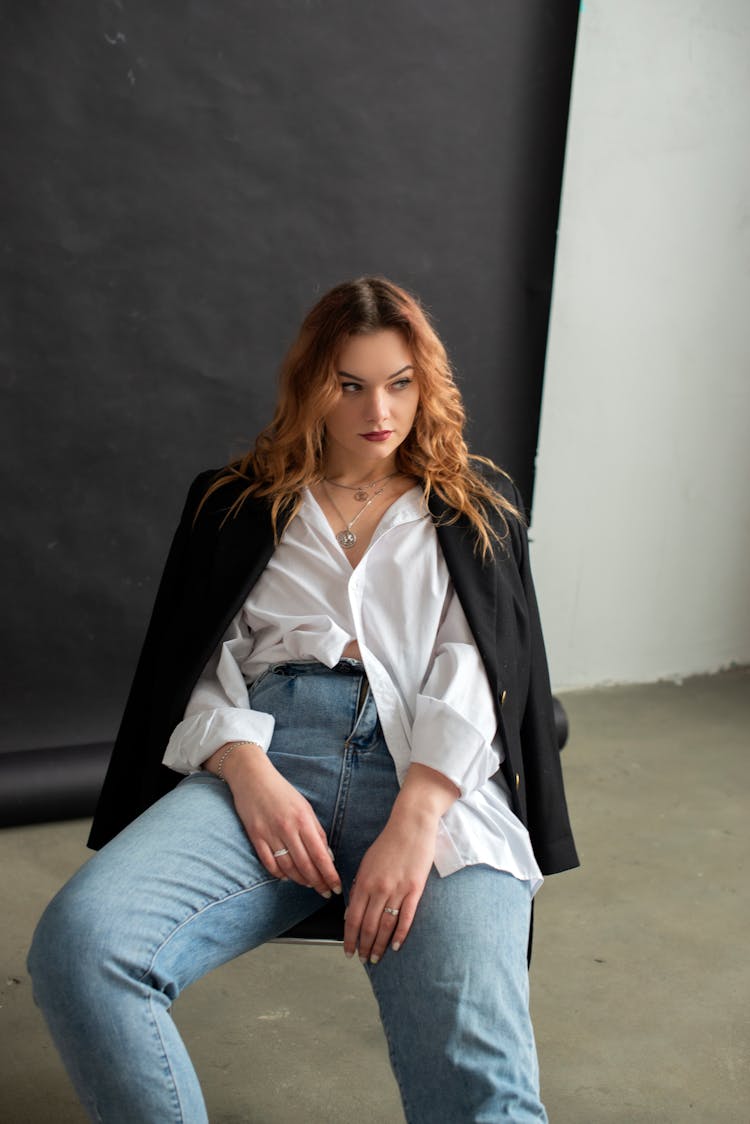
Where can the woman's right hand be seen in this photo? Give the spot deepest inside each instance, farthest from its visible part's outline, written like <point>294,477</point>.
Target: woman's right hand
<point>276,816</point>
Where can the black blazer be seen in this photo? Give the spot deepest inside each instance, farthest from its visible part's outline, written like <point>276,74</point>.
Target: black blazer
<point>209,572</point>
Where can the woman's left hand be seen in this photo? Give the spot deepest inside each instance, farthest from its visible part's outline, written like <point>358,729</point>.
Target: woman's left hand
<point>392,875</point>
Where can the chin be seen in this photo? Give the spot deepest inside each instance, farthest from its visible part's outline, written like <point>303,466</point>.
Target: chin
<point>380,452</point>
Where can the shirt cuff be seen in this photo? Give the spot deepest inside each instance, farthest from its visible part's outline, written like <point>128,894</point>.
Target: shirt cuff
<point>444,740</point>
<point>195,738</point>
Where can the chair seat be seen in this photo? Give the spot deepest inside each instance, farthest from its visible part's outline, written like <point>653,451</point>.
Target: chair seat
<point>324,927</point>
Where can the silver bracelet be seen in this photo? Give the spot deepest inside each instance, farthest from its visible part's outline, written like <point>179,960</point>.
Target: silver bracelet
<point>225,754</point>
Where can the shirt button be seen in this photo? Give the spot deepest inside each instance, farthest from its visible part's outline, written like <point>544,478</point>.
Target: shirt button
<point>503,697</point>
<point>518,780</point>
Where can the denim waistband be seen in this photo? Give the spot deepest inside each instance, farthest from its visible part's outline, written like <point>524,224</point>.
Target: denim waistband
<point>345,666</point>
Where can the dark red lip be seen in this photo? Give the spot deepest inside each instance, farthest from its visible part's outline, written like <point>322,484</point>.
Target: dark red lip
<point>377,435</point>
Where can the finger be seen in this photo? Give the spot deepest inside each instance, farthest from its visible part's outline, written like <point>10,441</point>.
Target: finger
<point>282,864</point>
<point>369,927</point>
<point>309,870</point>
<point>299,859</point>
<point>308,847</point>
<point>321,857</point>
<point>386,929</point>
<point>298,868</point>
<point>352,921</point>
<point>405,919</point>
<point>267,857</point>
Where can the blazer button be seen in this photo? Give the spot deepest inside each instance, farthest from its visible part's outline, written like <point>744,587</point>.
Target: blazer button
<point>503,697</point>
<point>518,780</point>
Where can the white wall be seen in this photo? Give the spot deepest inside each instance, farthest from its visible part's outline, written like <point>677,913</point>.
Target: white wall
<point>641,523</point>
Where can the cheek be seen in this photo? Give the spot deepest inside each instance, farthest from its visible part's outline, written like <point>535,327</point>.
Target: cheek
<point>335,411</point>
<point>339,416</point>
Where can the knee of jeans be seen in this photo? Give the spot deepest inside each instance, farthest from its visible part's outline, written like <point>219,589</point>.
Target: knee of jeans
<point>64,940</point>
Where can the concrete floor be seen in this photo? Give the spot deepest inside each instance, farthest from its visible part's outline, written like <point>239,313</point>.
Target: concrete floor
<point>640,977</point>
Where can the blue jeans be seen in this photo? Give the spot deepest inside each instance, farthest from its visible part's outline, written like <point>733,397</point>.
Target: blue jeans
<point>181,891</point>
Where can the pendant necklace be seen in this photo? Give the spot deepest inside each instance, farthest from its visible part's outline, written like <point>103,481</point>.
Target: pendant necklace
<point>360,490</point>
<point>347,538</point>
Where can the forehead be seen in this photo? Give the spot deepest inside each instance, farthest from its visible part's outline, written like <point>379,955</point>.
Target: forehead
<point>374,355</point>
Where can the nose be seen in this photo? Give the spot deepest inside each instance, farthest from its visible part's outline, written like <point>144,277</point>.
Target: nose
<point>377,408</point>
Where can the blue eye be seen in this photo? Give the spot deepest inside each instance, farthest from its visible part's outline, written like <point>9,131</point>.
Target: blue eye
<point>400,384</point>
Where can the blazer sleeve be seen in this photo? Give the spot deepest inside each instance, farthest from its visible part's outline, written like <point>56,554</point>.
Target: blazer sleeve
<point>134,749</point>
<point>547,813</point>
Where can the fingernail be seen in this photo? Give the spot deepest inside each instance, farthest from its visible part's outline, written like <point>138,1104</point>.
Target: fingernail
<point>363,959</point>
<point>337,889</point>
<point>374,959</point>
<point>330,852</point>
<point>348,955</point>
<point>345,913</point>
<point>395,945</point>
<point>326,894</point>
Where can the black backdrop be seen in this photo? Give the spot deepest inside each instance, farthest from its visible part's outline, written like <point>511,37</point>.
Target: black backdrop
<point>180,182</point>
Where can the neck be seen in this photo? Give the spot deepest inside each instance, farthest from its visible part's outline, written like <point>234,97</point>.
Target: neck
<point>354,474</point>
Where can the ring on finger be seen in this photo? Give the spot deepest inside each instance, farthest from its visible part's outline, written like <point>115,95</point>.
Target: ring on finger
<point>393,912</point>
<point>281,851</point>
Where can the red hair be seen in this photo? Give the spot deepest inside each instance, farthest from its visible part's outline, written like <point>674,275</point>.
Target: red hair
<point>289,453</point>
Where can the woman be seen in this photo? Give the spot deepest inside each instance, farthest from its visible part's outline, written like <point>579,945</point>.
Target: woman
<point>346,662</point>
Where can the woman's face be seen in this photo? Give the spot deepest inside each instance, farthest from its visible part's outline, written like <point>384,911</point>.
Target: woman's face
<point>379,399</point>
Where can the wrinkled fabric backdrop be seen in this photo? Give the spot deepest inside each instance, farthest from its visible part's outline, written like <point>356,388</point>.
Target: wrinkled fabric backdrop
<point>180,183</point>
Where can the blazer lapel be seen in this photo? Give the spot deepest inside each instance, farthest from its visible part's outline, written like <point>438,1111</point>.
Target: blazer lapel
<point>474,582</point>
<point>235,558</point>
<point>244,548</point>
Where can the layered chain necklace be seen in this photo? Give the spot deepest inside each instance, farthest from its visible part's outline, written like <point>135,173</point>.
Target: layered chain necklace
<point>362,492</point>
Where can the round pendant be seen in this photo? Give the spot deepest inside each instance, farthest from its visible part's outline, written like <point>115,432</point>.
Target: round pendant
<point>361,495</point>
<point>346,539</point>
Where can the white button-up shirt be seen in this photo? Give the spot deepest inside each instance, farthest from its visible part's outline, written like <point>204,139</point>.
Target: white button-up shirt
<point>427,679</point>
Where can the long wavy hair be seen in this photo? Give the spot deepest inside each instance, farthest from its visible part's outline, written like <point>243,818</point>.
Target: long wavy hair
<point>289,453</point>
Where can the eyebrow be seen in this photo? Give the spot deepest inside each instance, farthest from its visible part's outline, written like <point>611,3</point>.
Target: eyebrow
<point>356,378</point>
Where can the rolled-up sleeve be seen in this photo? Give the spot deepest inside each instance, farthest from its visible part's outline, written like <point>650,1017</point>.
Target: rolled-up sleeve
<point>455,720</point>
<point>218,710</point>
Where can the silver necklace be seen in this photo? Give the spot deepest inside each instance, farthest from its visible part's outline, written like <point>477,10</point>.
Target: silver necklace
<point>347,538</point>
<point>360,490</point>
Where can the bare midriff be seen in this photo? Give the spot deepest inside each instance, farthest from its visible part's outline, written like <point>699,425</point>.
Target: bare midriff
<point>351,651</point>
